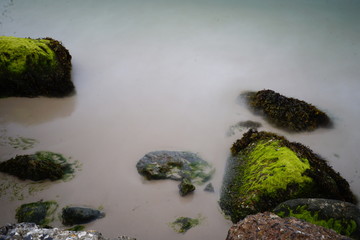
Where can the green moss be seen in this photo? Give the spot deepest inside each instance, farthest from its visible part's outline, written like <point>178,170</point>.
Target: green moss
<point>41,213</point>
<point>271,167</point>
<point>183,224</point>
<point>34,67</point>
<point>341,226</point>
<point>16,54</point>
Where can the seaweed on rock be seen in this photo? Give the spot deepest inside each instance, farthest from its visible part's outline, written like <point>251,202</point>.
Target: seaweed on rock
<point>266,169</point>
<point>41,213</point>
<point>39,166</point>
<point>34,67</point>
<point>288,113</point>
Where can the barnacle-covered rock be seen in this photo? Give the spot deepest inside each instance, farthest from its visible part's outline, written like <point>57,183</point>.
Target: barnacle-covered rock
<point>39,166</point>
<point>342,217</point>
<point>80,215</point>
<point>41,213</point>
<point>34,232</point>
<point>268,226</point>
<point>34,67</point>
<point>266,169</point>
<point>288,113</point>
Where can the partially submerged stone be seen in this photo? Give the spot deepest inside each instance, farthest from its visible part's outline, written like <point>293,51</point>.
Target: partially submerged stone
<point>243,125</point>
<point>209,188</point>
<point>183,224</point>
<point>39,166</point>
<point>80,215</point>
<point>174,165</point>
<point>41,213</point>
<point>268,226</point>
<point>342,217</point>
<point>34,67</point>
<point>186,187</point>
<point>266,169</point>
<point>288,113</point>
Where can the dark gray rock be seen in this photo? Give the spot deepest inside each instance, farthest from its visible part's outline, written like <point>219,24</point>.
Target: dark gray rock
<point>80,215</point>
<point>343,217</point>
<point>268,226</point>
<point>209,188</point>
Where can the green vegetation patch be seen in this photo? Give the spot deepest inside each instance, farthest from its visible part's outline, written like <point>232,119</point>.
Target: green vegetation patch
<point>342,226</point>
<point>265,169</point>
<point>34,67</point>
<point>41,213</point>
<point>183,224</point>
<point>39,166</point>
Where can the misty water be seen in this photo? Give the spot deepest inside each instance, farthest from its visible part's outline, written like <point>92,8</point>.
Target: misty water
<point>166,75</point>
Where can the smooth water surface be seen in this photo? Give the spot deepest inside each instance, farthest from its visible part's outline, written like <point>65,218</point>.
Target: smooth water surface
<point>166,75</point>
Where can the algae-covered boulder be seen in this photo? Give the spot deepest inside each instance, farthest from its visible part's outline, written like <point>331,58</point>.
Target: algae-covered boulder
<point>266,169</point>
<point>186,187</point>
<point>343,217</point>
<point>183,224</point>
<point>288,113</point>
<point>41,213</point>
<point>34,67</point>
<point>39,166</point>
<point>80,215</point>
<point>174,165</point>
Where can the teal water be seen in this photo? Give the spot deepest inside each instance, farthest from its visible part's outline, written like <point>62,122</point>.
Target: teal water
<point>165,75</point>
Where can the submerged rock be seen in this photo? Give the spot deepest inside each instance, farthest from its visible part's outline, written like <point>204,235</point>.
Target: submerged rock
<point>268,226</point>
<point>30,231</point>
<point>186,187</point>
<point>41,213</point>
<point>39,166</point>
<point>34,67</point>
<point>342,217</point>
<point>266,170</point>
<point>80,215</point>
<point>209,188</point>
<point>183,224</point>
<point>244,125</point>
<point>288,113</point>
<point>174,165</point>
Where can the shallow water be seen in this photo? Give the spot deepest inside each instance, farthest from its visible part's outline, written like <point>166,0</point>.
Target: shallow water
<point>166,75</point>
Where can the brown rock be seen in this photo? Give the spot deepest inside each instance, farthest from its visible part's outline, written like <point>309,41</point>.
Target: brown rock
<point>268,226</point>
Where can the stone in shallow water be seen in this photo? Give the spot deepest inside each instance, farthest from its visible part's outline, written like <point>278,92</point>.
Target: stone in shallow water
<point>268,226</point>
<point>39,166</point>
<point>34,67</point>
<point>266,170</point>
<point>80,215</point>
<point>41,213</point>
<point>288,113</point>
<point>183,224</point>
<point>209,188</point>
<point>186,187</point>
<point>174,165</point>
<point>343,217</point>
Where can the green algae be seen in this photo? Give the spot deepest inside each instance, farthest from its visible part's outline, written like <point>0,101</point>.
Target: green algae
<point>183,224</point>
<point>342,226</point>
<point>41,213</point>
<point>77,228</point>
<point>34,67</point>
<point>266,169</point>
<point>186,187</point>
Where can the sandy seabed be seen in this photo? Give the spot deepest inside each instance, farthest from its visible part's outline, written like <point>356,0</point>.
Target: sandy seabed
<point>166,75</point>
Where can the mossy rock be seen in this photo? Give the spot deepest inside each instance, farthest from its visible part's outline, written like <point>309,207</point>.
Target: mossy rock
<point>343,217</point>
<point>186,187</point>
<point>287,113</point>
<point>34,67</point>
<point>80,215</point>
<point>41,213</point>
<point>266,169</point>
<point>174,165</point>
<point>39,166</point>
